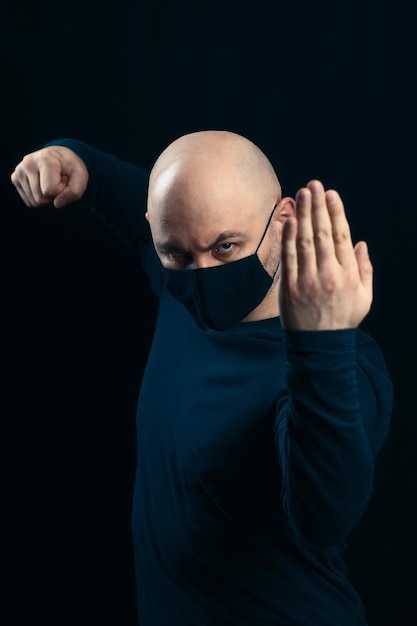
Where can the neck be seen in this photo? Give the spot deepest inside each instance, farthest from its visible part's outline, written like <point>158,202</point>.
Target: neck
<point>268,308</point>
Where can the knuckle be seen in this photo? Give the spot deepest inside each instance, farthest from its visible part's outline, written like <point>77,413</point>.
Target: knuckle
<point>49,188</point>
<point>305,242</point>
<point>322,235</point>
<point>310,286</point>
<point>331,285</point>
<point>341,237</point>
<point>27,161</point>
<point>330,281</point>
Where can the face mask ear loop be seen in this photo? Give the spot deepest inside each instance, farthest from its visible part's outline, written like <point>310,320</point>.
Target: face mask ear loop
<point>277,268</point>
<point>266,228</point>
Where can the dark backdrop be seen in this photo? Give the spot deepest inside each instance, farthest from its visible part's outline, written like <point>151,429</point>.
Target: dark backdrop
<point>328,90</point>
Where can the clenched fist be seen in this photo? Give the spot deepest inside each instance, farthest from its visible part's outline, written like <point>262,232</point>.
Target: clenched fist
<point>53,174</point>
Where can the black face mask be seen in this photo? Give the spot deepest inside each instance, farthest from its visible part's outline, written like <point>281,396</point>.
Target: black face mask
<point>221,296</point>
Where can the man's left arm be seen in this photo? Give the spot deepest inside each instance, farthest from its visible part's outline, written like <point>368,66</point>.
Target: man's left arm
<point>333,417</point>
<point>334,414</point>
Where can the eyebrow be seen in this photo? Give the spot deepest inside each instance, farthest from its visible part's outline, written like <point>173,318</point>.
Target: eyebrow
<point>229,234</point>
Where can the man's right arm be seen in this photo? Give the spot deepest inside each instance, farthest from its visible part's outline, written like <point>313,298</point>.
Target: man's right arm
<point>68,170</point>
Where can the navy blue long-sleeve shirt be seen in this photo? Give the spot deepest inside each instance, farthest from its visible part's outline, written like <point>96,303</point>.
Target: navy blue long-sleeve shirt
<point>255,452</point>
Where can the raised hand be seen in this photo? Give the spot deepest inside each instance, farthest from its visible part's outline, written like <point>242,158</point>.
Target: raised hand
<point>53,174</point>
<point>326,282</point>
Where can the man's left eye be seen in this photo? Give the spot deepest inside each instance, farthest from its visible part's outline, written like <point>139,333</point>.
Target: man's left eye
<point>224,247</point>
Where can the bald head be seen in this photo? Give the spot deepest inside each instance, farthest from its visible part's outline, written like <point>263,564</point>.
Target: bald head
<point>204,157</point>
<point>214,198</point>
<point>210,196</point>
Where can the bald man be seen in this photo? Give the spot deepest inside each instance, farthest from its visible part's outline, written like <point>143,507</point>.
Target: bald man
<point>263,405</point>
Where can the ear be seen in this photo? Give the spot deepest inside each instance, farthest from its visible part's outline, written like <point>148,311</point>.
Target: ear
<point>285,208</point>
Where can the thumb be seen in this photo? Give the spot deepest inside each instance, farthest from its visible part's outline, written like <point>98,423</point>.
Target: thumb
<point>63,176</point>
<point>72,187</point>
<point>65,194</point>
<point>364,264</point>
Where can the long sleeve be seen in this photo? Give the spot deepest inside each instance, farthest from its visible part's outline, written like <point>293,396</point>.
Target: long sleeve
<point>116,192</point>
<point>331,422</point>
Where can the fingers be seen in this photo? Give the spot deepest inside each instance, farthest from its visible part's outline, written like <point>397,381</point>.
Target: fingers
<point>326,283</point>
<point>63,180</point>
<point>23,187</point>
<point>305,234</point>
<point>289,254</point>
<point>341,235</point>
<point>365,267</point>
<point>28,176</point>
<point>50,180</point>
<point>51,174</point>
<point>323,230</point>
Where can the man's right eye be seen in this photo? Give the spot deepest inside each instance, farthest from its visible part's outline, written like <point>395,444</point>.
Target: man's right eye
<point>178,258</point>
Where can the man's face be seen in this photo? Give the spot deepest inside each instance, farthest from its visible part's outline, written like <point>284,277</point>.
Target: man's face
<point>204,217</point>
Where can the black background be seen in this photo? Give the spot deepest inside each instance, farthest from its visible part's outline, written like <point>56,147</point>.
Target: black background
<point>327,90</point>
